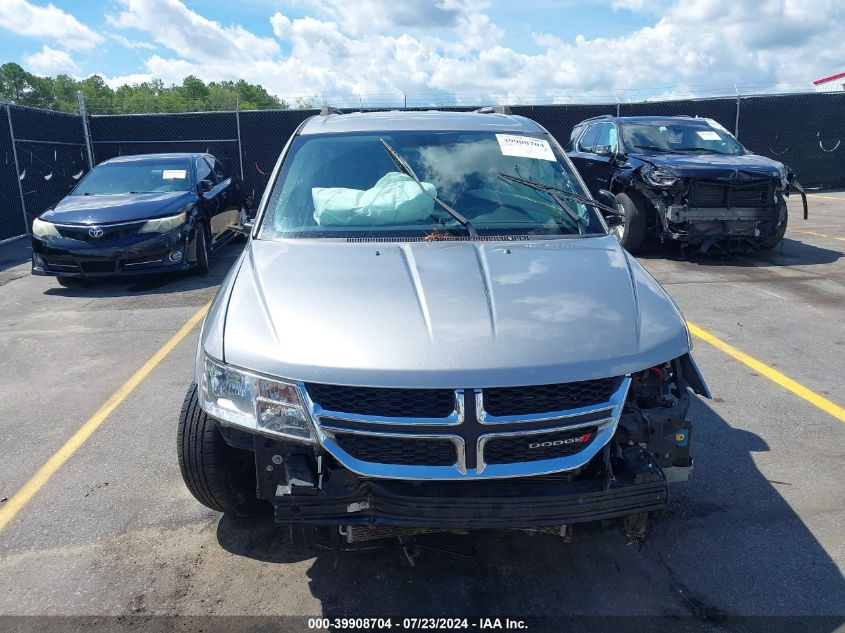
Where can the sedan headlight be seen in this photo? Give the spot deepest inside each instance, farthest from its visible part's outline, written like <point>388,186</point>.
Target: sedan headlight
<point>659,177</point>
<point>254,402</point>
<point>41,228</point>
<point>163,225</point>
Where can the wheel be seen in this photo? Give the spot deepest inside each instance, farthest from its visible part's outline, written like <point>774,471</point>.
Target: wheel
<point>220,477</point>
<point>768,243</point>
<point>199,250</point>
<point>631,233</point>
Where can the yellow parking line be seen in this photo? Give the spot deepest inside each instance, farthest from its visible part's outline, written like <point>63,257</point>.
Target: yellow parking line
<point>814,195</point>
<point>23,496</point>
<point>832,237</point>
<point>772,374</point>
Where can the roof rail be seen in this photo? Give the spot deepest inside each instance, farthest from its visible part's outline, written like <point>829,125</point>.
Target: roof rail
<point>326,110</point>
<point>601,116</point>
<point>497,109</point>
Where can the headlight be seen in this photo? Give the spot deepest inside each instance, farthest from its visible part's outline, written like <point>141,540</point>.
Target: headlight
<point>658,176</point>
<point>254,402</point>
<point>44,229</point>
<point>163,225</point>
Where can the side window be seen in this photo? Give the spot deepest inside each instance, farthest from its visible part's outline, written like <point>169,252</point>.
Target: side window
<point>607,136</point>
<point>220,170</point>
<point>204,171</point>
<point>588,141</point>
<point>576,132</point>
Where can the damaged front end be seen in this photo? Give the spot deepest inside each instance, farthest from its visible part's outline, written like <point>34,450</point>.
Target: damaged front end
<point>371,477</point>
<point>732,210</point>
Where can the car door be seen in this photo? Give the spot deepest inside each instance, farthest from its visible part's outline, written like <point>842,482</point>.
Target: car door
<point>594,154</point>
<point>224,199</point>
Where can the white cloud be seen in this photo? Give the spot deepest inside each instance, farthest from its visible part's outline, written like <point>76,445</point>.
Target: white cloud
<point>49,62</point>
<point>190,35</point>
<point>133,44</point>
<point>452,50</point>
<point>46,22</point>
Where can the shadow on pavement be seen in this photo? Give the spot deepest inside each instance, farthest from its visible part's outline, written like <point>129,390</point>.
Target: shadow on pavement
<point>729,551</point>
<point>15,253</point>
<point>790,252</point>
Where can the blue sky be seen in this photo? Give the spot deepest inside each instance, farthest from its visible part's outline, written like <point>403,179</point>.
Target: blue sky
<point>437,51</point>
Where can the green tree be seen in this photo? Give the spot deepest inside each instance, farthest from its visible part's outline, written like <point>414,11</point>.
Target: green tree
<point>193,94</point>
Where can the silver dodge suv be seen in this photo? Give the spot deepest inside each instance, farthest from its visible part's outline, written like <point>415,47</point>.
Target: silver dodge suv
<point>431,327</point>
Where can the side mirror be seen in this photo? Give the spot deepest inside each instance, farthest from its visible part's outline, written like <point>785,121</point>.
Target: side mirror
<point>611,219</point>
<point>206,186</point>
<point>244,229</point>
<point>603,150</point>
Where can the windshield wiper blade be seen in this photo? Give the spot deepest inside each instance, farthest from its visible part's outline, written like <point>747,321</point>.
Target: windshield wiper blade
<point>656,148</point>
<point>559,195</point>
<point>698,149</point>
<point>402,164</point>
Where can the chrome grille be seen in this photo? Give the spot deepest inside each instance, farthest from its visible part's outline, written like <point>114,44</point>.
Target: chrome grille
<point>452,434</point>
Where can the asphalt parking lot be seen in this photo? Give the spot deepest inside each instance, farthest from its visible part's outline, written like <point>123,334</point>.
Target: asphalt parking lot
<point>112,530</point>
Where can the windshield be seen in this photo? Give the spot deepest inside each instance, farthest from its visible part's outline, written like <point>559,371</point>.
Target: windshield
<point>348,185</point>
<point>136,177</point>
<point>693,136</point>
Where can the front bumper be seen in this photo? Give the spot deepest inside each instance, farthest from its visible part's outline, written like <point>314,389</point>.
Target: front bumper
<point>514,503</point>
<point>141,254</point>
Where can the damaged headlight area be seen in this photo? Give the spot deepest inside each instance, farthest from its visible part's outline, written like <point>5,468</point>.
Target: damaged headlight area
<point>655,419</point>
<point>658,177</point>
<point>257,403</point>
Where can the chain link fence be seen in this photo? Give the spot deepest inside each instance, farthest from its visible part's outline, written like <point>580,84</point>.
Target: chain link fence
<point>45,151</point>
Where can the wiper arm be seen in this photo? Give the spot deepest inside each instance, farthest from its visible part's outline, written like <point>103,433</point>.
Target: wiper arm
<point>559,195</point>
<point>402,164</point>
<point>698,149</point>
<point>655,148</point>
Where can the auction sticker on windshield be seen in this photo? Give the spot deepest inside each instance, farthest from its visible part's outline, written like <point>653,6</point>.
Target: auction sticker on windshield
<point>525,147</point>
<point>708,135</point>
<point>174,174</point>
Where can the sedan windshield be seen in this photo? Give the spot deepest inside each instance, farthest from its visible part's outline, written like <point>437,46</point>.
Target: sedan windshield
<point>136,177</point>
<point>693,136</point>
<point>355,185</point>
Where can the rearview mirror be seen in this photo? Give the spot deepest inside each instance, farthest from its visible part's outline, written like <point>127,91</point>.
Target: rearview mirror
<point>603,150</point>
<point>611,219</point>
<point>607,198</point>
<point>206,186</point>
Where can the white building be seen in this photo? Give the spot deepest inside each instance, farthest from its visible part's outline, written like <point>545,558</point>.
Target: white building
<point>834,83</point>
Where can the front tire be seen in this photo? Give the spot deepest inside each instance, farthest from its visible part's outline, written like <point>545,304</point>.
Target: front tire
<point>220,477</point>
<point>768,243</point>
<point>199,248</point>
<point>631,233</point>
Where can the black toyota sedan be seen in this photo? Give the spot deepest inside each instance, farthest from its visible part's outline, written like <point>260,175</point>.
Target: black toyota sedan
<point>140,215</point>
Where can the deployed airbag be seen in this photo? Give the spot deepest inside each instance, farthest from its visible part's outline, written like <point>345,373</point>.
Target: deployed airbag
<point>395,199</point>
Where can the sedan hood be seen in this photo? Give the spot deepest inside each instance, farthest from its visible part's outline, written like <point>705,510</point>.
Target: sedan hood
<point>718,167</point>
<point>107,209</point>
<point>444,314</point>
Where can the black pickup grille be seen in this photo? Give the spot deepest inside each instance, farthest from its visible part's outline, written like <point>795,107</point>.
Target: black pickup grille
<point>532,448</point>
<point>547,398</point>
<point>712,195</point>
<point>400,450</point>
<point>394,403</point>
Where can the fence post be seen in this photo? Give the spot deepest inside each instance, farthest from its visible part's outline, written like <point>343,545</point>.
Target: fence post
<point>736,121</point>
<point>86,133</point>
<point>238,124</point>
<point>17,168</point>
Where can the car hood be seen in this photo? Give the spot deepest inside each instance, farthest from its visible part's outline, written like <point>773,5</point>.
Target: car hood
<point>443,314</point>
<point>718,167</point>
<point>118,208</point>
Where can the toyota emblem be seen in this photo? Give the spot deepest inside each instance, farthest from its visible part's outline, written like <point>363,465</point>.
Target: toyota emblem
<point>95,232</point>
